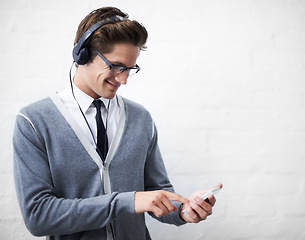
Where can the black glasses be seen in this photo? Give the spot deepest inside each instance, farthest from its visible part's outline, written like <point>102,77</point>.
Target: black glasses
<point>118,69</point>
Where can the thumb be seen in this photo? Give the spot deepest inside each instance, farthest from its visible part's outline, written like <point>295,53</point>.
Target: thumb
<point>220,185</point>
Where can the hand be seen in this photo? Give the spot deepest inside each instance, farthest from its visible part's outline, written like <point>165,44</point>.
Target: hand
<point>157,202</point>
<point>198,209</point>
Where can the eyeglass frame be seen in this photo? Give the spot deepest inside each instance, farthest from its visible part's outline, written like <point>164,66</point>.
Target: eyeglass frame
<point>122,68</point>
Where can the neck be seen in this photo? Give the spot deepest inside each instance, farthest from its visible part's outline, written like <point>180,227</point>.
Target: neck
<point>79,80</point>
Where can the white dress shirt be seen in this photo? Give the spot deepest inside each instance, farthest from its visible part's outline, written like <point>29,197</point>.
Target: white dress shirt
<point>110,113</point>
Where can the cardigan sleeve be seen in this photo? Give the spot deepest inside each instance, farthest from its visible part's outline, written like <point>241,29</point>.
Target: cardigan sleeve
<point>156,178</point>
<point>44,213</point>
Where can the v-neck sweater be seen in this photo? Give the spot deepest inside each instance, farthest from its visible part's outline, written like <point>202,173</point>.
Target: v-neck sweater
<point>63,188</point>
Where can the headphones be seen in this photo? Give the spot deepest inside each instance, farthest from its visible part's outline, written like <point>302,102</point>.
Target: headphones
<point>81,53</point>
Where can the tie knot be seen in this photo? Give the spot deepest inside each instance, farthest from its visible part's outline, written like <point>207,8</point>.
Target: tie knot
<point>97,103</point>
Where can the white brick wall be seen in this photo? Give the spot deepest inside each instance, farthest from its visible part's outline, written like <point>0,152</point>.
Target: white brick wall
<point>225,83</point>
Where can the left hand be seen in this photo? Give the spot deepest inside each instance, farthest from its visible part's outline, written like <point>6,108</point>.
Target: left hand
<point>198,209</point>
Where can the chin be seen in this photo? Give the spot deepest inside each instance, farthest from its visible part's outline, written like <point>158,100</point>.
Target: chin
<point>109,95</point>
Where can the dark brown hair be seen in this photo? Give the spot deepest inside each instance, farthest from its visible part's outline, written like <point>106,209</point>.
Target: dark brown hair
<point>106,36</point>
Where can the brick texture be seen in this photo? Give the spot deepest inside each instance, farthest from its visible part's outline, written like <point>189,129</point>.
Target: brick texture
<point>225,83</point>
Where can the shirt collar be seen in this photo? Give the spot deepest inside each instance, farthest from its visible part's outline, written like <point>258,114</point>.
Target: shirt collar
<point>85,100</point>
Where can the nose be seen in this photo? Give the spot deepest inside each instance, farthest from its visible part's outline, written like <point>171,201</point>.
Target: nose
<point>122,77</point>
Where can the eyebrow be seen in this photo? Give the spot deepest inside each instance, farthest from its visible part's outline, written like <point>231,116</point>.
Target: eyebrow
<point>118,63</point>
<point>121,64</point>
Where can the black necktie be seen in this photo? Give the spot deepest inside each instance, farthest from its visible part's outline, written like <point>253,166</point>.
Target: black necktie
<point>102,140</point>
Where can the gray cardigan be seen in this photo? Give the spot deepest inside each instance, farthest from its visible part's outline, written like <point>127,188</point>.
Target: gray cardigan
<point>63,188</point>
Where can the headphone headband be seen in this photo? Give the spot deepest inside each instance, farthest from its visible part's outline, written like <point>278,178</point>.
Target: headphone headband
<point>81,53</point>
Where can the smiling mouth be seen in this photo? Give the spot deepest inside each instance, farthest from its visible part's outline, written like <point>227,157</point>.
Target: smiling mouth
<point>112,84</point>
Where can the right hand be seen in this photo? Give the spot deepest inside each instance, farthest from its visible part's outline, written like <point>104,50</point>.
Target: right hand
<point>157,202</point>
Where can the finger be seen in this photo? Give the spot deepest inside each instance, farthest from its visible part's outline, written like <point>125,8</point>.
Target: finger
<point>191,215</point>
<point>220,185</point>
<point>163,204</point>
<point>168,204</point>
<point>175,197</point>
<point>204,206</point>
<point>201,213</point>
<point>161,209</point>
<point>211,200</point>
<point>157,211</point>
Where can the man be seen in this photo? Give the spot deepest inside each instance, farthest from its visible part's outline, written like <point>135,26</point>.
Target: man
<point>86,161</point>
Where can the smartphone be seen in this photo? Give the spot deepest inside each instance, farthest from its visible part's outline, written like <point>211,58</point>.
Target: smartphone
<point>205,196</point>
<point>211,192</point>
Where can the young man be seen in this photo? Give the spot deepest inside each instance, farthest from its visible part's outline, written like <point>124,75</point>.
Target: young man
<point>86,161</point>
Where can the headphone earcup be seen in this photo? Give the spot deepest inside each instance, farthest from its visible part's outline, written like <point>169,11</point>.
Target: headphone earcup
<point>81,54</point>
<point>83,57</point>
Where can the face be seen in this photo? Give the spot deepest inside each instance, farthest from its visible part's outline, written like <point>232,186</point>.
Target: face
<point>95,79</point>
